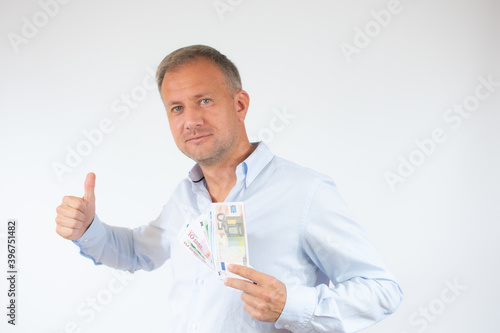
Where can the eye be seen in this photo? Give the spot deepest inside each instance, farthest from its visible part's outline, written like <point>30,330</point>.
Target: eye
<point>205,101</point>
<point>176,108</point>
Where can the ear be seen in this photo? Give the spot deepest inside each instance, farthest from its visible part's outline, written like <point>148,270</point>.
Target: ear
<point>242,102</point>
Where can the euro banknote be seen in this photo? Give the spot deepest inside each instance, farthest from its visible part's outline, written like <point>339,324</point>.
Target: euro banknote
<point>218,238</point>
<point>194,237</point>
<point>228,235</point>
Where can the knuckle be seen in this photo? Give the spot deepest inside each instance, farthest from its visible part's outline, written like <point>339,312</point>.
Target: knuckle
<point>72,224</point>
<point>262,307</point>
<point>81,206</point>
<point>61,232</point>
<point>77,225</point>
<point>251,275</point>
<point>265,296</point>
<point>74,214</point>
<point>243,287</point>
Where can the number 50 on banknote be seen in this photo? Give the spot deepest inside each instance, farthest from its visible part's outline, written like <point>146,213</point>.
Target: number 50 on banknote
<point>228,236</point>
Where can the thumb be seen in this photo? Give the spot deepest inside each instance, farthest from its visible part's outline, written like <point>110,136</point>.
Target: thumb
<point>89,186</point>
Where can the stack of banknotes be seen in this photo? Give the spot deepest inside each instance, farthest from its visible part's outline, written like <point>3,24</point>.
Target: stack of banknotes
<point>218,238</point>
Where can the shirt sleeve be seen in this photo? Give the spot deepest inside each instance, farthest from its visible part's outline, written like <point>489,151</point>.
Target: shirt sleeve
<point>146,247</point>
<point>363,292</point>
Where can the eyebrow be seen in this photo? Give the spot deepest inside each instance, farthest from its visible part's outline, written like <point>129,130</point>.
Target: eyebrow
<point>192,97</point>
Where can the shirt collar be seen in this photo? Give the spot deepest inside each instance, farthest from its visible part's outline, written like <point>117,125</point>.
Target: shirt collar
<point>196,175</point>
<point>251,167</point>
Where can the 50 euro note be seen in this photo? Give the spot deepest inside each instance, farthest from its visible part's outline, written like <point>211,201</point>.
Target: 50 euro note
<point>228,237</point>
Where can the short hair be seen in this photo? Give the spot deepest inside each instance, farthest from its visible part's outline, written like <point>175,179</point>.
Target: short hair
<point>192,53</point>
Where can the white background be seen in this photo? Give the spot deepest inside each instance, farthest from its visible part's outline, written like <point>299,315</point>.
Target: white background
<point>352,120</point>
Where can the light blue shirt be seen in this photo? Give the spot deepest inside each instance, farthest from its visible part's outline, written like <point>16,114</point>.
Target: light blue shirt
<point>299,231</point>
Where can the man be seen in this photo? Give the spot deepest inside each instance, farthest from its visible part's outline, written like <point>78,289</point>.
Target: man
<point>301,235</point>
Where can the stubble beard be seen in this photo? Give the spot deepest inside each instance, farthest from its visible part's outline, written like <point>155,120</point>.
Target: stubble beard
<point>215,154</point>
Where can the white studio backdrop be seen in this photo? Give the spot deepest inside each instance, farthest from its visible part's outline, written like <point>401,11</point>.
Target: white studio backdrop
<point>396,100</point>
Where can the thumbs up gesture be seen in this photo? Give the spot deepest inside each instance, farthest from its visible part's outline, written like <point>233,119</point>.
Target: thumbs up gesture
<point>75,214</point>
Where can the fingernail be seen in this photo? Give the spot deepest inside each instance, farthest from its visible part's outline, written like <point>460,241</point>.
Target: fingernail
<point>230,267</point>
<point>225,281</point>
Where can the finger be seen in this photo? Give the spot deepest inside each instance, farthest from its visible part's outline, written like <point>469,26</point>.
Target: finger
<point>71,213</point>
<point>255,313</point>
<point>67,222</point>
<point>260,309</point>
<point>67,233</point>
<point>89,187</point>
<point>243,285</point>
<point>248,273</point>
<point>75,203</point>
<point>252,300</point>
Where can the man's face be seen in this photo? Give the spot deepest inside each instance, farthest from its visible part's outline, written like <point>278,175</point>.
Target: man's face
<point>205,118</point>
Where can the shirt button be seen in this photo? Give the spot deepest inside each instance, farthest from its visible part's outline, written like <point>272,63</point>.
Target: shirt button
<point>86,240</point>
<point>287,326</point>
<point>200,282</point>
<point>194,326</point>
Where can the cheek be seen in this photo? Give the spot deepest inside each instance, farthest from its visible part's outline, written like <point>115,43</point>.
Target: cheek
<point>175,127</point>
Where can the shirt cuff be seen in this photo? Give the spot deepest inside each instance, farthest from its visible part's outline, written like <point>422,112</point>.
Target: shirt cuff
<point>94,234</point>
<point>299,308</point>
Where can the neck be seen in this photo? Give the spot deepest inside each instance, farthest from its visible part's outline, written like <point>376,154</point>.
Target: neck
<point>221,177</point>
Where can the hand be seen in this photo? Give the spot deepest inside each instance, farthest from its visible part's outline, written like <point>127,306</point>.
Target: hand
<point>75,215</point>
<point>264,299</point>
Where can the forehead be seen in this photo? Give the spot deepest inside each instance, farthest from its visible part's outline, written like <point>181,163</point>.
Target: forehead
<point>200,74</point>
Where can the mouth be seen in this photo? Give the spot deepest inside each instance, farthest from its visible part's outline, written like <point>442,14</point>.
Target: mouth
<point>198,138</point>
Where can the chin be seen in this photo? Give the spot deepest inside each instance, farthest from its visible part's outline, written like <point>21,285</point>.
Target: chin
<point>196,156</point>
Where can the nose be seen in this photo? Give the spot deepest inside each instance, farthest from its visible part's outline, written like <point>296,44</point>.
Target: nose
<point>193,118</point>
